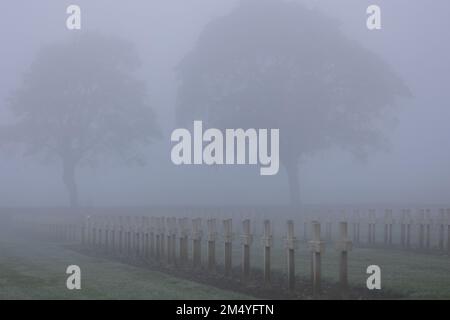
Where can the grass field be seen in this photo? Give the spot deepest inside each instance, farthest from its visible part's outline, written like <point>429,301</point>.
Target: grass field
<point>36,270</point>
<point>412,275</point>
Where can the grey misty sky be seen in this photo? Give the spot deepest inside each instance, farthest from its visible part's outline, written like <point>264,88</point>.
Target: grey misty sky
<point>413,41</point>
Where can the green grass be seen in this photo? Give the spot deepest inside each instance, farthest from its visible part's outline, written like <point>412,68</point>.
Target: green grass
<point>36,270</point>
<point>410,274</point>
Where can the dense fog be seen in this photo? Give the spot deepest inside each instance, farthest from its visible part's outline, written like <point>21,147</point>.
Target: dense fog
<point>148,41</point>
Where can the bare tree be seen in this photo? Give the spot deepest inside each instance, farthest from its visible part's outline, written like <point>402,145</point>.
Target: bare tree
<point>277,64</point>
<point>81,100</point>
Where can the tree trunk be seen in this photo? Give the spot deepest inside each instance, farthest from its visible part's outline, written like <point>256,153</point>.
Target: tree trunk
<point>70,182</point>
<point>294,183</point>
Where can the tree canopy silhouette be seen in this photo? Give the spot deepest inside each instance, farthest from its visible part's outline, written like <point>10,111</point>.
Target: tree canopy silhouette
<point>278,64</point>
<point>81,100</point>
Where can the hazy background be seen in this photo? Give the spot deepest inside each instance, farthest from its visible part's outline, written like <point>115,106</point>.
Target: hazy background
<point>413,40</point>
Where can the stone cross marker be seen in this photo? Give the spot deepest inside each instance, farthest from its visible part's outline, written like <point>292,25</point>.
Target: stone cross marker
<point>317,247</point>
<point>85,231</point>
<point>169,240</point>
<point>120,235</point>
<point>131,231</point>
<point>448,229</point>
<point>197,242</point>
<point>247,240</point>
<point>291,246</point>
<point>356,226</point>
<point>267,241</point>
<point>99,226</point>
<point>114,234</point>
<point>162,237</point>
<point>137,236</point>
<point>328,226</point>
<point>424,222</point>
<point>158,238</point>
<point>228,239</point>
<point>146,228</point>
<point>172,237</point>
<point>153,231</point>
<point>405,232</point>
<point>100,232</point>
<point>184,233</point>
<point>428,225</point>
<point>107,228</point>
<point>94,231</point>
<point>139,227</point>
<point>131,236</point>
<point>343,246</point>
<point>372,230</point>
<point>128,235</point>
<point>211,239</point>
<point>441,226</point>
<point>388,223</point>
